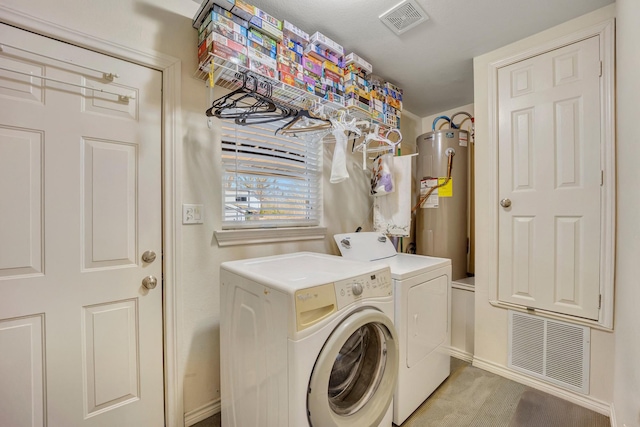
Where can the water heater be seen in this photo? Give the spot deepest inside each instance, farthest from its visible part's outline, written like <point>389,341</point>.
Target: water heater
<point>441,220</point>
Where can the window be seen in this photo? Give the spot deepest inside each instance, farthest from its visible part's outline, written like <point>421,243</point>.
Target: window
<point>269,180</point>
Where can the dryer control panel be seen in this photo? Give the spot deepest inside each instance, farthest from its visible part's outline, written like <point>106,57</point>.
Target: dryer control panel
<point>374,285</point>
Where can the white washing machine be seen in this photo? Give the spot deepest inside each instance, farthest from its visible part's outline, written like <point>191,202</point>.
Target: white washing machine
<point>422,288</point>
<point>307,339</point>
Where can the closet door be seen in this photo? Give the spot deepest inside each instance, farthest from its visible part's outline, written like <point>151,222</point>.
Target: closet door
<point>80,202</point>
<point>550,180</point>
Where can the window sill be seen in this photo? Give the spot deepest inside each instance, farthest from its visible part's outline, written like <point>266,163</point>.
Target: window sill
<point>268,235</point>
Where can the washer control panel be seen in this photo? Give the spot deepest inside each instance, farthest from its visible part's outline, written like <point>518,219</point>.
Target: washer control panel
<point>373,285</point>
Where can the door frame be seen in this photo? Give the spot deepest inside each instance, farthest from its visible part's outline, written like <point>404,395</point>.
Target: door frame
<point>606,31</point>
<point>171,161</point>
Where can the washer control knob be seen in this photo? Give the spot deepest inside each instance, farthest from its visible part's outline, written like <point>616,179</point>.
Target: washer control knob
<point>356,288</point>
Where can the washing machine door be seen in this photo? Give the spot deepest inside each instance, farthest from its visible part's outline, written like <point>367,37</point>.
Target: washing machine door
<point>355,374</point>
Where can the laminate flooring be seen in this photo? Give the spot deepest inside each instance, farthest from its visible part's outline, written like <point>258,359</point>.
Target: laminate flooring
<point>472,397</point>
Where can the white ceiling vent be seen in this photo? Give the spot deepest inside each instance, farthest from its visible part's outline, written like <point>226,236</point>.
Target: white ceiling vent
<point>404,16</point>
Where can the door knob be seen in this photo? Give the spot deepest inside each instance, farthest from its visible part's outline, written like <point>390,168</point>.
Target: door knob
<point>505,203</point>
<point>149,256</point>
<point>149,282</point>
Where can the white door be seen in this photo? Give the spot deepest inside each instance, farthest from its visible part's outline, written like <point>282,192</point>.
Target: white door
<point>80,202</point>
<point>550,174</point>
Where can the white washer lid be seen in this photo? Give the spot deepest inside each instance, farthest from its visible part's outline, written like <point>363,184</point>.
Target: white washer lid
<point>300,270</point>
<point>365,246</point>
<point>375,246</point>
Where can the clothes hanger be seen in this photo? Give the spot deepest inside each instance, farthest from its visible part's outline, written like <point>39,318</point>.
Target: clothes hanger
<point>250,104</point>
<point>314,123</point>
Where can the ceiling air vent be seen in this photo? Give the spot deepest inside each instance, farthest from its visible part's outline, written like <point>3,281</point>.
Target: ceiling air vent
<point>404,16</point>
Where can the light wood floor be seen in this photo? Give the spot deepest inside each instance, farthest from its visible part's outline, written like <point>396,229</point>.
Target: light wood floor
<point>472,397</point>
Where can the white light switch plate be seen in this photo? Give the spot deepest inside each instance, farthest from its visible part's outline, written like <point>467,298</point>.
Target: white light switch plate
<point>192,214</point>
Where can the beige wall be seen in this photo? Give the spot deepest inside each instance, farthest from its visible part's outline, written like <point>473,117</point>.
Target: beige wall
<point>626,393</point>
<point>491,322</point>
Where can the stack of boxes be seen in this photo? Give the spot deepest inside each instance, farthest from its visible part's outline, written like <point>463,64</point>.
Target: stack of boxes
<point>242,33</point>
<point>290,54</point>
<point>356,81</point>
<point>328,74</point>
<point>222,34</point>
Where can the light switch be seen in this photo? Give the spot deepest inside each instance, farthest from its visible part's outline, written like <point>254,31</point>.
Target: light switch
<point>192,214</point>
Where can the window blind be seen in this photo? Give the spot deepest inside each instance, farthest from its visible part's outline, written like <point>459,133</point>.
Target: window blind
<point>269,180</point>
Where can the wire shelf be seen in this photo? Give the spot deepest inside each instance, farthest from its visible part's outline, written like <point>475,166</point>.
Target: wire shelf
<point>229,75</point>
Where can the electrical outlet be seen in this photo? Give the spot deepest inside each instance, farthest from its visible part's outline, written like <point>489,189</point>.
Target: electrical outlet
<point>192,214</point>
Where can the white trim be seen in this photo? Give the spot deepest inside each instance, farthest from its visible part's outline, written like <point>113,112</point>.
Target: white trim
<point>585,401</point>
<point>605,30</point>
<point>612,416</point>
<point>460,354</point>
<point>172,159</point>
<point>268,235</point>
<point>202,413</point>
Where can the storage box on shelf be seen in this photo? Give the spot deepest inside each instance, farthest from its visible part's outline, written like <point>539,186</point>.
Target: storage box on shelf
<point>236,37</point>
<point>228,75</point>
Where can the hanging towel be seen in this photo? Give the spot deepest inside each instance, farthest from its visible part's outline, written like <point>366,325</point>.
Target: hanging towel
<point>392,213</point>
<point>339,162</point>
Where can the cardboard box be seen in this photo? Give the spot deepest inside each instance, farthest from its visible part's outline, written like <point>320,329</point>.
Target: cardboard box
<point>352,58</point>
<point>262,49</point>
<point>222,50</point>
<point>266,28</point>
<point>334,97</point>
<point>220,11</point>
<point>263,40</point>
<point>320,39</point>
<point>268,18</point>
<point>205,8</point>
<point>328,65</point>
<point>293,45</point>
<point>256,54</point>
<point>294,33</point>
<point>312,65</point>
<point>295,71</point>
<point>322,54</point>
<point>261,68</point>
<point>221,40</point>
<point>289,54</point>
<point>222,29</point>
<point>292,81</point>
<point>224,26</point>
<point>353,103</point>
<point>330,75</point>
<point>243,10</point>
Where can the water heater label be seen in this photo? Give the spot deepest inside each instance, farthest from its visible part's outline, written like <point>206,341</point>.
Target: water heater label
<point>425,185</point>
<point>445,190</point>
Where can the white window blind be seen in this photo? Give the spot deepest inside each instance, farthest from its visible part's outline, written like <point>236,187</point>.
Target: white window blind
<point>269,180</point>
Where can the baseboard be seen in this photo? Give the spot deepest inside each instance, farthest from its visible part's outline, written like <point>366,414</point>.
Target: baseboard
<point>579,399</point>
<point>462,355</point>
<point>202,413</point>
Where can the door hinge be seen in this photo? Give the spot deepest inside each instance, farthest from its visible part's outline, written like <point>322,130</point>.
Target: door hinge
<point>600,75</point>
<point>600,302</point>
<point>601,178</point>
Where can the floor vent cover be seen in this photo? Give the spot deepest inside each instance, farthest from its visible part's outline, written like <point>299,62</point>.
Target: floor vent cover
<point>404,16</point>
<point>554,351</point>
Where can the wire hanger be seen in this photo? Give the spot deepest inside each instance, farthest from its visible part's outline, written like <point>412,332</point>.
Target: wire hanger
<point>247,106</point>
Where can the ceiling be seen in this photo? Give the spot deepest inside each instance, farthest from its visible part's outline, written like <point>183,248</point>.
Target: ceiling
<point>432,62</point>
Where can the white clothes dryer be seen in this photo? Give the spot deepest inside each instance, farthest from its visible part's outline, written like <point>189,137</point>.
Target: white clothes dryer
<point>307,339</point>
<point>422,288</point>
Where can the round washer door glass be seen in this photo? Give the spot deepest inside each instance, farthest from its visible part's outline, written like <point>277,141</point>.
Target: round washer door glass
<point>358,369</point>
<point>355,374</point>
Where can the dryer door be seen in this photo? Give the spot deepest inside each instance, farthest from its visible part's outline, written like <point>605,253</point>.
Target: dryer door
<point>354,377</point>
